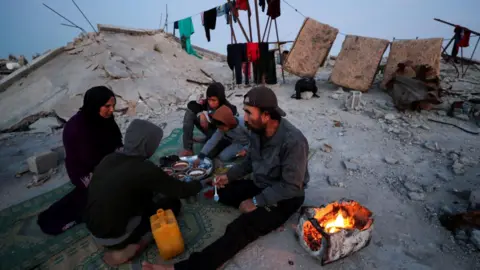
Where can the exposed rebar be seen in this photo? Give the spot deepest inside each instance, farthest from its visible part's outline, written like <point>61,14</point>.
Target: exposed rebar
<point>94,30</point>
<point>72,23</point>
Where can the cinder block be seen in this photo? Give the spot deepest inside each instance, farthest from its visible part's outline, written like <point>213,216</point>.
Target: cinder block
<point>42,162</point>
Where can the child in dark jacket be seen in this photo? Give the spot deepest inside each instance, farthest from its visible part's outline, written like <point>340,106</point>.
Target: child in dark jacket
<point>199,114</point>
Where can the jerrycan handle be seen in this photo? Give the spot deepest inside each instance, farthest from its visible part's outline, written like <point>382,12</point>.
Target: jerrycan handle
<point>161,215</point>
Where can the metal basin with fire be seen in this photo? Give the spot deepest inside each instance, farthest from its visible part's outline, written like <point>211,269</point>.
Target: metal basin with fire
<point>334,231</point>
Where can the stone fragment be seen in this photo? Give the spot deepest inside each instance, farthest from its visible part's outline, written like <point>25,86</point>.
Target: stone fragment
<point>412,187</point>
<point>431,146</point>
<point>335,96</point>
<point>416,196</point>
<point>332,181</point>
<point>390,116</point>
<point>350,166</point>
<point>60,150</point>
<point>45,125</point>
<point>391,161</point>
<point>42,162</point>
<point>475,238</point>
<point>458,168</point>
<point>442,177</point>
<point>475,199</point>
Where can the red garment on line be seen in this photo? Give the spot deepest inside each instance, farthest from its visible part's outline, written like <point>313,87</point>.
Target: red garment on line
<point>253,53</point>
<point>465,40</point>
<point>242,4</point>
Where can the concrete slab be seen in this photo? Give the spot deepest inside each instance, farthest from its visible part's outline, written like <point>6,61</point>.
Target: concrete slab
<point>357,63</point>
<point>311,48</point>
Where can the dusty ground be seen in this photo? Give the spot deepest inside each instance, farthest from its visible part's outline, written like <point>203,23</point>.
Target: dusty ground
<point>403,174</point>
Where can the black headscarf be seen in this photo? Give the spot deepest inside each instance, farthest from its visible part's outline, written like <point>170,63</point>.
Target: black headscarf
<point>105,128</point>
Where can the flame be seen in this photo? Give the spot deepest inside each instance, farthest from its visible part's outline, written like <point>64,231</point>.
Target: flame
<point>333,218</point>
<point>341,221</point>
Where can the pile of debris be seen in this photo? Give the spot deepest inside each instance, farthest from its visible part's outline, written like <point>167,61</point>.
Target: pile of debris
<point>7,66</point>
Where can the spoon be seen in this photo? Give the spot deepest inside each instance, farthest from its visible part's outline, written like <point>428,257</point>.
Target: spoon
<point>215,197</point>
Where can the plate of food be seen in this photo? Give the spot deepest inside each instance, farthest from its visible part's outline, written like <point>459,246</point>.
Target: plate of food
<point>181,166</point>
<point>206,166</point>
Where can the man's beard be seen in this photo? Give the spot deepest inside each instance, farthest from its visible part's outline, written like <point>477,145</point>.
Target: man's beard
<point>258,131</point>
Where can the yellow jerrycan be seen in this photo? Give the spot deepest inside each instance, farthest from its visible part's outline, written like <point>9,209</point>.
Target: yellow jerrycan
<point>167,234</point>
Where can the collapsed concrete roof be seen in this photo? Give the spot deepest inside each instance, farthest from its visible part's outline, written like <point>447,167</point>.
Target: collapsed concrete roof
<point>138,65</point>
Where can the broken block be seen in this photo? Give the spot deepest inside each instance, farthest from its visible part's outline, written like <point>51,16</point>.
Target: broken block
<point>310,49</point>
<point>43,162</point>
<point>357,62</point>
<point>419,51</point>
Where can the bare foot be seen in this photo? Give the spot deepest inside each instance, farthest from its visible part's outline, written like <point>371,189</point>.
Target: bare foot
<point>117,257</point>
<point>149,266</point>
<point>185,153</point>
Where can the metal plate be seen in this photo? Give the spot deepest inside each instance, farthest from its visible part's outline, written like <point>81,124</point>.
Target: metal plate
<point>206,161</point>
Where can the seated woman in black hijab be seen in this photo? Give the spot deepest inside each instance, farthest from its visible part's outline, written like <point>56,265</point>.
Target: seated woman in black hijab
<point>88,137</point>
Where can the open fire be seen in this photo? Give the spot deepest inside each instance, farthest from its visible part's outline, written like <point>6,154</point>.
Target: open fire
<point>335,231</point>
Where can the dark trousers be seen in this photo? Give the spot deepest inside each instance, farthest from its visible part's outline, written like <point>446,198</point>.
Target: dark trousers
<point>243,230</point>
<point>144,227</point>
<point>236,55</point>
<point>190,121</point>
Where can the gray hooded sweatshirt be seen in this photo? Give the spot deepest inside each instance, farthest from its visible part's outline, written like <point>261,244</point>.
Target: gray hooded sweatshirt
<point>124,182</point>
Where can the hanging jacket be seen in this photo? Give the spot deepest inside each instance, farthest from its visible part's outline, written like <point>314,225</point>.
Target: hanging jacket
<point>220,10</point>
<point>185,27</point>
<point>273,9</point>
<point>209,21</point>
<point>261,3</point>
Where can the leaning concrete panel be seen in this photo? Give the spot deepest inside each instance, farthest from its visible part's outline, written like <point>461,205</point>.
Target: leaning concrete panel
<point>419,51</point>
<point>310,49</point>
<point>357,63</point>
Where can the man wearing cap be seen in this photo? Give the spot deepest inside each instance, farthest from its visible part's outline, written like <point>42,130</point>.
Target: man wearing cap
<point>277,161</point>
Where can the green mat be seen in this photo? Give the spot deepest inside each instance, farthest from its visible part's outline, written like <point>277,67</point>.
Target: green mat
<point>24,246</point>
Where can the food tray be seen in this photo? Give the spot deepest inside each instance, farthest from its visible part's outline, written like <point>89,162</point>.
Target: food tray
<point>206,161</point>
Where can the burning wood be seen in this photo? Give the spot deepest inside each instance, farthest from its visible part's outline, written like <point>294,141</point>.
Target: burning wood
<point>334,231</point>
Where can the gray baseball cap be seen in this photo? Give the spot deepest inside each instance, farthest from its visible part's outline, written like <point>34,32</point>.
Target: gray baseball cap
<point>264,98</point>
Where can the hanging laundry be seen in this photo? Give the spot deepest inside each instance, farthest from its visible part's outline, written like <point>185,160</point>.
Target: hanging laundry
<point>210,20</point>
<point>242,4</point>
<point>175,25</point>
<point>236,55</point>
<point>186,30</point>
<point>227,13</point>
<point>261,67</point>
<point>246,72</point>
<point>273,9</point>
<point>234,10</point>
<point>221,10</point>
<point>253,53</point>
<point>262,4</point>
<point>465,40</point>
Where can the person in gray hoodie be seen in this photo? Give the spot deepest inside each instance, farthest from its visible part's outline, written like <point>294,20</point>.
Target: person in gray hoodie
<point>120,195</point>
<point>231,138</point>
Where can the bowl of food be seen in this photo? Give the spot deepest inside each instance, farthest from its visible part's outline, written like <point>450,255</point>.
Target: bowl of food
<point>168,170</point>
<point>180,176</point>
<point>197,173</point>
<point>181,166</point>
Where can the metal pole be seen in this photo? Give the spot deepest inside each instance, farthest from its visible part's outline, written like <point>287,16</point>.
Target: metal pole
<point>64,18</point>
<point>84,16</point>
<point>258,20</point>
<point>269,30</point>
<point>279,51</point>
<point>474,49</point>
<point>265,31</point>
<point>250,20</point>
<point>166,19</point>
<point>234,38</point>
<point>448,44</point>
<point>451,24</point>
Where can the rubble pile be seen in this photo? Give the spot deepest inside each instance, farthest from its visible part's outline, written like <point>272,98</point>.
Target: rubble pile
<point>150,74</point>
<point>8,66</point>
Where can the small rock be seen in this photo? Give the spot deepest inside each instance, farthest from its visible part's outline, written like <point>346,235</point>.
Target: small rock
<point>446,210</point>
<point>327,148</point>
<point>475,199</point>
<point>376,114</point>
<point>341,134</point>
<point>461,235</point>
<point>332,181</point>
<point>390,116</point>
<point>467,161</point>
<point>475,238</point>
<point>458,168</point>
<point>442,113</point>
<point>350,166</point>
<point>453,156</point>
<point>335,96</point>
<point>442,177</point>
<point>431,146</point>
<point>306,95</point>
<point>390,160</point>
<point>413,187</point>
<point>416,196</point>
